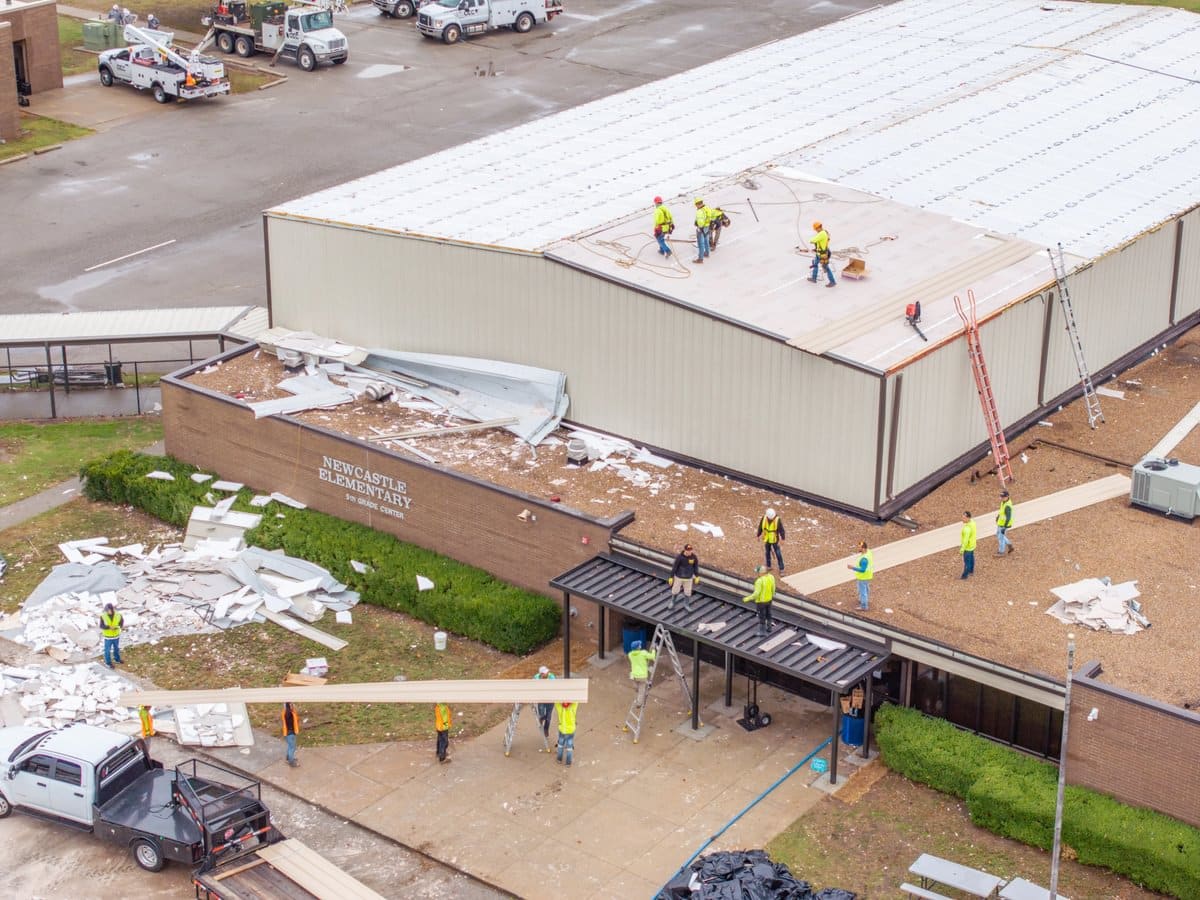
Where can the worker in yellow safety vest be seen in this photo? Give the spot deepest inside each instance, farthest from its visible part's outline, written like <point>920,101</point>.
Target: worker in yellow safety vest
<point>639,669</point>
<point>967,545</point>
<point>716,221</point>
<point>772,532</point>
<point>566,732</point>
<point>441,724</point>
<point>1004,520</point>
<point>821,254</point>
<point>147,719</point>
<point>702,213</point>
<point>763,594</point>
<point>664,224</point>
<point>110,628</point>
<point>291,731</point>
<point>864,571</point>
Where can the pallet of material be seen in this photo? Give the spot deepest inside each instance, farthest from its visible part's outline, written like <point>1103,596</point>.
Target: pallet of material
<point>293,679</point>
<point>287,870</point>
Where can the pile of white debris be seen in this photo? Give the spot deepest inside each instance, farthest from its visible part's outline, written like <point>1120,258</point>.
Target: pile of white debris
<point>1099,604</point>
<point>54,696</point>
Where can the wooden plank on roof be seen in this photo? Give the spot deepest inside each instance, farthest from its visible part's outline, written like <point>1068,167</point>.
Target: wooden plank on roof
<point>315,873</point>
<point>495,690</point>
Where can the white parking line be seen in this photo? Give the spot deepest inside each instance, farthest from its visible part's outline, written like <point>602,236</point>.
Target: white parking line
<point>128,255</point>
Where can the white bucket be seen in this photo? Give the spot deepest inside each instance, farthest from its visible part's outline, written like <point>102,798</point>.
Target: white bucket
<point>439,640</point>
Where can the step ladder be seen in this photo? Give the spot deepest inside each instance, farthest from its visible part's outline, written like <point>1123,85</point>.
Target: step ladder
<point>983,383</point>
<point>510,731</point>
<point>661,641</point>
<point>1090,398</point>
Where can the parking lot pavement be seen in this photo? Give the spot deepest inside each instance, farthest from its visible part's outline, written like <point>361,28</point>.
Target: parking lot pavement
<point>202,173</point>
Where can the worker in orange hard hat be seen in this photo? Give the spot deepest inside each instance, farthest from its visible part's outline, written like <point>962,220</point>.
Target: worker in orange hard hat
<point>821,254</point>
<point>664,224</point>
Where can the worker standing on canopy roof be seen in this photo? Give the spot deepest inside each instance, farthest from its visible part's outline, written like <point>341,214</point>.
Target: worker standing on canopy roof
<point>821,254</point>
<point>764,593</point>
<point>685,574</point>
<point>664,224</point>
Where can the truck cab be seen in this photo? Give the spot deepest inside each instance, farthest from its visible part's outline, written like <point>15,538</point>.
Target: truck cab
<point>451,19</point>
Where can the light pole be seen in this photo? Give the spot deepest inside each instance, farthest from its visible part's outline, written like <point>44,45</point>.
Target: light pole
<point>1062,771</point>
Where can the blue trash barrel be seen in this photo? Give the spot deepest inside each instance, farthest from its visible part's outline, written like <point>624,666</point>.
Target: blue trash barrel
<point>852,730</point>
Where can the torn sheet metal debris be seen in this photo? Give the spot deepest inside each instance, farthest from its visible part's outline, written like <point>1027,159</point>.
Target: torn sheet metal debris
<point>1098,604</point>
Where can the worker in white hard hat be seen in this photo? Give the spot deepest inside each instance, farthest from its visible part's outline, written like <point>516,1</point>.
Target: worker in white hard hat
<point>114,14</point>
<point>152,22</point>
<point>771,530</point>
<point>544,710</point>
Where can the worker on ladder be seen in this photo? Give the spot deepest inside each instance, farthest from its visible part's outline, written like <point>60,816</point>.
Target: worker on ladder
<point>544,710</point>
<point>639,669</point>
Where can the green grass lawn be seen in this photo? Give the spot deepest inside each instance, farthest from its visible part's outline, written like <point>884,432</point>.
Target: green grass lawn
<point>38,131</point>
<point>70,36</point>
<point>35,456</point>
<point>242,82</point>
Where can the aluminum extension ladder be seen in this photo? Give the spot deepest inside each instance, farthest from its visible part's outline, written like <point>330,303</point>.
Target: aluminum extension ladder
<point>662,640</point>
<point>510,731</point>
<point>1090,398</point>
<point>983,383</point>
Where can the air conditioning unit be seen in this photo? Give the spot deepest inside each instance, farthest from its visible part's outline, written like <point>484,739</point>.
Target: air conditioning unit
<point>1168,486</point>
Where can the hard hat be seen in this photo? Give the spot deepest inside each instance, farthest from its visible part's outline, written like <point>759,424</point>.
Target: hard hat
<point>636,645</point>
<point>699,202</point>
<point>770,513</point>
<point>658,199</point>
<point>817,226</point>
<point>543,671</point>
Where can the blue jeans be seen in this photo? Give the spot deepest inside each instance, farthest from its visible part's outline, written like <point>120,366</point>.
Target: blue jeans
<point>566,744</point>
<point>662,244</point>
<point>824,265</point>
<point>701,243</point>
<point>778,554</point>
<point>112,651</point>
<point>1002,541</point>
<point>291,748</point>
<point>864,593</point>
<point>968,562</point>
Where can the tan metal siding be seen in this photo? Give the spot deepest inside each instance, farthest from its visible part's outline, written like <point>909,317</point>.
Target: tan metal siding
<point>1187,296</point>
<point>635,365</point>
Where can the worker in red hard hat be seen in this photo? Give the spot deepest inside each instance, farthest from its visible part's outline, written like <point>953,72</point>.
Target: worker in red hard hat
<point>821,254</point>
<point>664,224</point>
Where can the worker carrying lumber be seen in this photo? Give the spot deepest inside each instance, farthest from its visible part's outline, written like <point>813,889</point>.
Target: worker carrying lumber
<point>566,732</point>
<point>685,574</point>
<point>821,254</point>
<point>864,571</point>
<point>639,669</point>
<point>291,731</point>
<point>772,532</point>
<point>110,628</point>
<point>544,710</point>
<point>664,224</point>
<point>441,724</point>
<point>1004,520</point>
<point>702,248</point>
<point>764,593</point>
<point>967,544</point>
<point>147,719</point>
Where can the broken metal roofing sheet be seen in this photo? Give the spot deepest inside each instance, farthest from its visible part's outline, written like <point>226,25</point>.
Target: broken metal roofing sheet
<point>639,589</point>
<point>1050,121</point>
<point>116,325</point>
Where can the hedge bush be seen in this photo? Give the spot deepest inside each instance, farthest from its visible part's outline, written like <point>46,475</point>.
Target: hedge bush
<point>1014,795</point>
<point>465,600</point>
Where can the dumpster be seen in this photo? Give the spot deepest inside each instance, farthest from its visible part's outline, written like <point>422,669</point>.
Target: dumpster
<point>631,633</point>
<point>112,373</point>
<point>852,730</point>
<point>95,36</point>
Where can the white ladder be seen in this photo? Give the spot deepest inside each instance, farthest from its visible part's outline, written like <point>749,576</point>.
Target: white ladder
<point>1090,398</point>
<point>510,731</point>
<point>662,640</point>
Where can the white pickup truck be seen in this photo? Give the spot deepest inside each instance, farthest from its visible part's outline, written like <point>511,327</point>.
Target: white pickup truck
<point>451,19</point>
<point>151,63</point>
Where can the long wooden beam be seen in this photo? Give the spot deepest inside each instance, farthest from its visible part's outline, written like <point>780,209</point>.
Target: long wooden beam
<point>499,690</point>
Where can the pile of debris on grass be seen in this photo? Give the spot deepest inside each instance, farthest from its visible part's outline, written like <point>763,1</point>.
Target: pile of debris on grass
<point>54,696</point>
<point>743,875</point>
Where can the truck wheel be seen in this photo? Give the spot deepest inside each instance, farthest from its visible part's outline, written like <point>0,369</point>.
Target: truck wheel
<point>403,9</point>
<point>451,34</point>
<point>106,78</point>
<point>147,855</point>
<point>160,93</point>
<point>244,46</point>
<point>5,807</point>
<point>306,59</point>
<point>524,23</point>
<point>225,42</point>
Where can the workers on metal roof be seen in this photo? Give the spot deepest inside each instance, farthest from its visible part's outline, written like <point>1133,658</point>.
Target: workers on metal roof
<point>821,254</point>
<point>702,248</point>
<point>716,221</point>
<point>664,224</point>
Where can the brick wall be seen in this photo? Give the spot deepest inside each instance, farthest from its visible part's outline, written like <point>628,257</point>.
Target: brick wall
<point>37,26</point>
<point>9,115</point>
<point>1141,752</point>
<point>469,520</point>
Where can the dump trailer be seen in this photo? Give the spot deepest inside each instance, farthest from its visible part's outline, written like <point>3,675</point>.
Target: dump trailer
<point>301,33</point>
<point>151,63</point>
<point>451,19</point>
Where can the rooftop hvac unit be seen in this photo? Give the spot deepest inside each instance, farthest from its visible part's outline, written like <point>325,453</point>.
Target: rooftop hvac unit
<point>1167,485</point>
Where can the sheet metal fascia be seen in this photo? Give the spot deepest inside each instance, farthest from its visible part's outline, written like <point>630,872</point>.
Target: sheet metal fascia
<point>267,267</point>
<point>391,232</point>
<point>880,427</point>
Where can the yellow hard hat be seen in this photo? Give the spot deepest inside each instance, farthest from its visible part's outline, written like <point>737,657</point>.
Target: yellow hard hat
<point>699,202</point>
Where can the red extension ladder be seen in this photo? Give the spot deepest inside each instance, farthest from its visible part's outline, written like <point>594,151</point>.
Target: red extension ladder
<point>983,383</point>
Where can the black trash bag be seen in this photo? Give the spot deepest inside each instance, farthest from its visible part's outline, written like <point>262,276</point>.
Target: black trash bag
<point>677,888</point>
<point>832,893</point>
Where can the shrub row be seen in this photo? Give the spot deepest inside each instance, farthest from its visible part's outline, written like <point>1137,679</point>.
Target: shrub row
<point>1014,795</point>
<point>465,600</point>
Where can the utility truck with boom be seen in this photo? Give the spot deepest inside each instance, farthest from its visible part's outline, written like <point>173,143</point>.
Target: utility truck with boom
<point>149,63</point>
<point>451,19</point>
<point>303,33</point>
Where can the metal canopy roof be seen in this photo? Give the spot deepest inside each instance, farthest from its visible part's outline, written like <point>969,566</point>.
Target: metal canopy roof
<point>640,590</point>
<point>1050,121</point>
<point>126,325</point>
